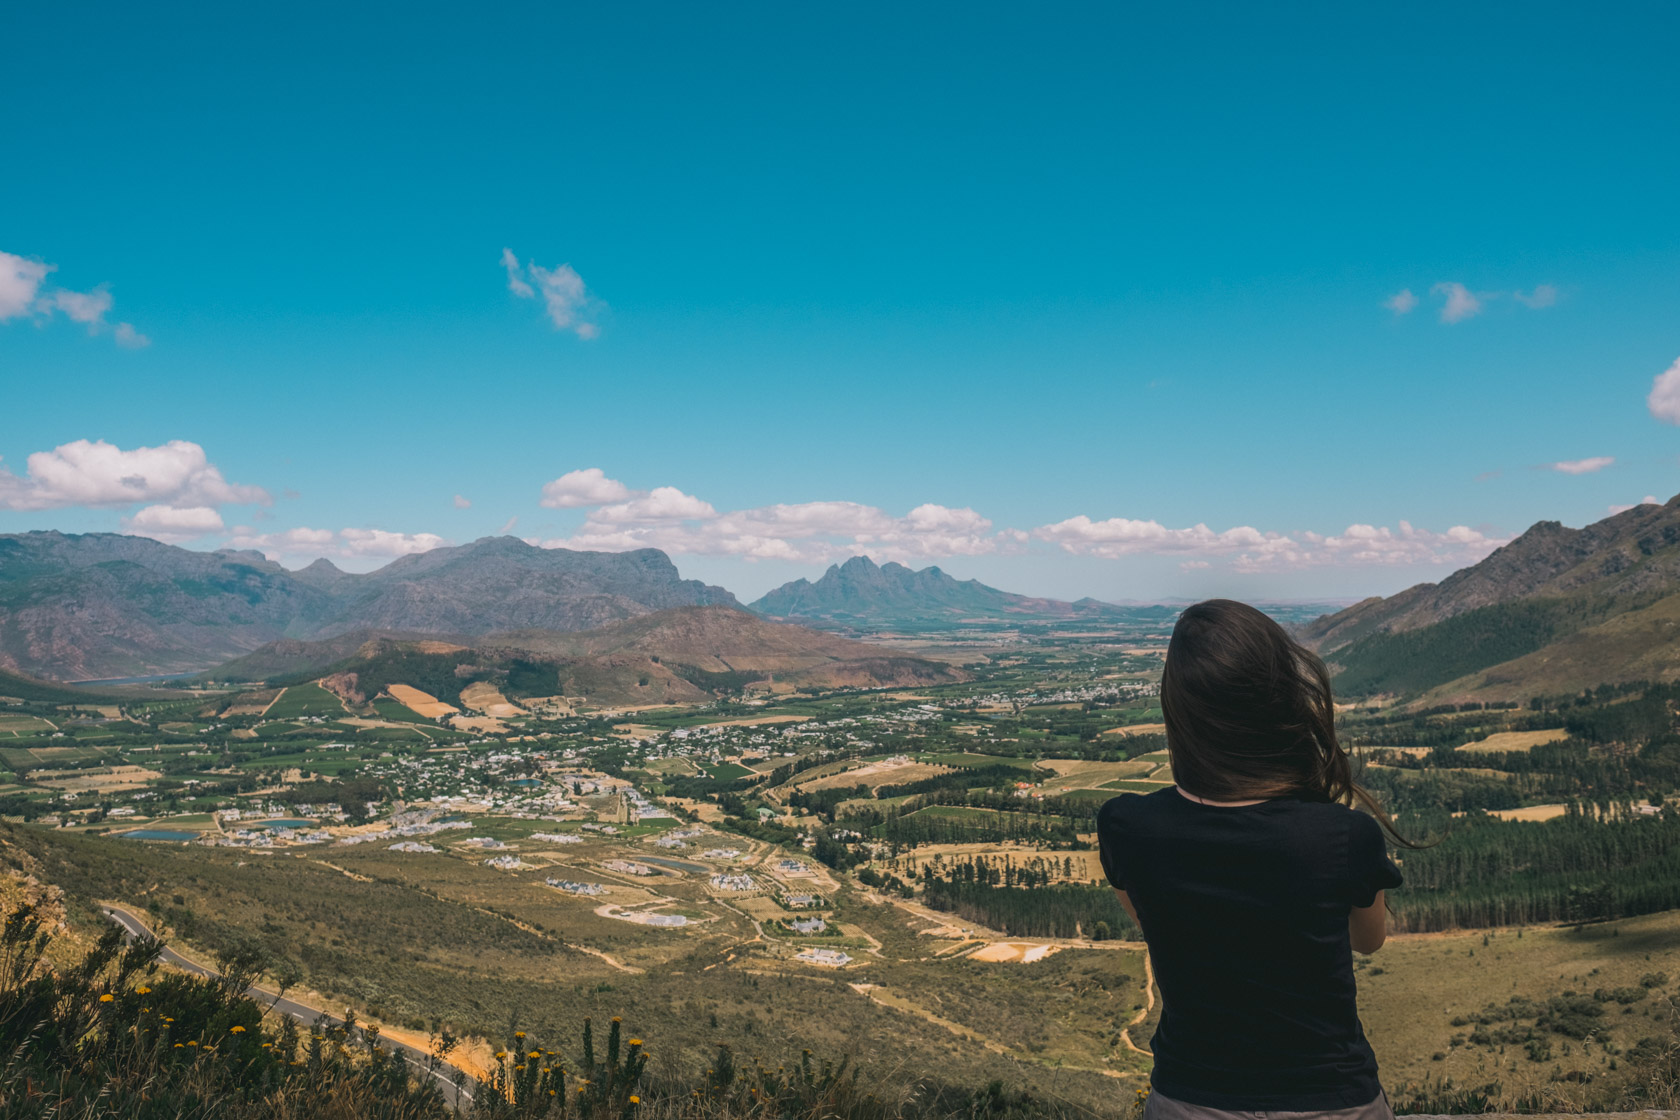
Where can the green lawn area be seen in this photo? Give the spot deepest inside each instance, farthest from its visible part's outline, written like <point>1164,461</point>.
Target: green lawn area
<point>388,708</point>
<point>306,700</point>
<point>966,761</point>
<point>961,812</point>
<point>726,771</point>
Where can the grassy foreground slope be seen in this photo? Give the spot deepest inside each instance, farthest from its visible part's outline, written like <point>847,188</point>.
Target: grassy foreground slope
<point>416,940</point>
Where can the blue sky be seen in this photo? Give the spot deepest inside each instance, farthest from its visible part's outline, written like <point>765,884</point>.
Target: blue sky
<point>1085,300</point>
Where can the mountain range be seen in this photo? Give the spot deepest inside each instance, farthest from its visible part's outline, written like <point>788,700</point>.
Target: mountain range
<point>1555,611</point>
<point>104,605</point>
<point>861,593</point>
<point>679,655</point>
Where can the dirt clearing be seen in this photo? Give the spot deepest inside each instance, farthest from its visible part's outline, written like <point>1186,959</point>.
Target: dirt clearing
<point>1013,952</point>
<point>421,703</point>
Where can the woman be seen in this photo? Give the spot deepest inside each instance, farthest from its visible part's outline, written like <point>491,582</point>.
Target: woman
<point>1254,880</point>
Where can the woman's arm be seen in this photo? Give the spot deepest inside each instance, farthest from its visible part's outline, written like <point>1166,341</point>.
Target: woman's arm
<point>1368,926</point>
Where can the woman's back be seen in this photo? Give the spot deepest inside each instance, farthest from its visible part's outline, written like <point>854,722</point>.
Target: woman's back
<point>1245,909</point>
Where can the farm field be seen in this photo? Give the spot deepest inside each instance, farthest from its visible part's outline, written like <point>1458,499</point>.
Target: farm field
<point>305,700</point>
<point>1516,740</point>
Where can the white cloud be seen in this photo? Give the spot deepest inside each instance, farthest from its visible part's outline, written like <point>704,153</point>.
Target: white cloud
<point>805,532</point>
<point>1544,295</point>
<point>1583,466</point>
<point>1460,302</point>
<point>462,503</point>
<point>172,524</point>
<point>81,307</point>
<point>96,473</point>
<point>568,302</point>
<point>21,293</point>
<point>20,280</point>
<point>379,542</point>
<point>1252,550</point>
<point>516,284</point>
<point>1122,536</point>
<point>1372,545</point>
<point>1647,500</point>
<point>1401,302</point>
<point>305,544</point>
<point>507,526</point>
<point>662,503</point>
<point>680,523</point>
<point>588,487</point>
<point>1664,401</point>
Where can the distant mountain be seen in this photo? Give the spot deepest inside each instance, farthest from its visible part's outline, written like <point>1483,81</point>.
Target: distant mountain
<point>1555,611</point>
<point>864,594</point>
<point>502,583</point>
<point>103,605</point>
<point>676,655</point>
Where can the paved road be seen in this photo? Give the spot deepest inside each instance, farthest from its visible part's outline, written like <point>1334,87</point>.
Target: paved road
<point>303,1013</point>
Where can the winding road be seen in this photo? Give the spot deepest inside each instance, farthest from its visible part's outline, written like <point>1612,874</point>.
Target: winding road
<point>302,1012</point>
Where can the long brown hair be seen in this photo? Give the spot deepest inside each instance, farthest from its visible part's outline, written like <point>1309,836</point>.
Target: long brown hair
<point>1250,715</point>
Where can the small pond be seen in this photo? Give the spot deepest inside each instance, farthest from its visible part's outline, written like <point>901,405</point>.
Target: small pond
<point>158,834</point>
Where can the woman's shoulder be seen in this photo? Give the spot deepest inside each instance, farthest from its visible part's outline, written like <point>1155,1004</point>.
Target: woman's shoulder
<point>1129,807</point>
<point>1333,817</point>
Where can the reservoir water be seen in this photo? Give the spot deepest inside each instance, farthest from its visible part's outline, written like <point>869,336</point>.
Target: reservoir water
<point>158,834</point>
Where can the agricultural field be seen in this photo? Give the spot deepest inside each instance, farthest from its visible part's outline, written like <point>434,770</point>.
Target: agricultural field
<point>305,700</point>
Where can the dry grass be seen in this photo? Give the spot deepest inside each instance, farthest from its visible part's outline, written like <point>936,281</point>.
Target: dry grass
<point>1410,992</point>
<point>117,779</point>
<point>1139,729</point>
<point>1516,740</point>
<point>1530,813</point>
<point>421,703</point>
<point>482,696</point>
<point>756,721</point>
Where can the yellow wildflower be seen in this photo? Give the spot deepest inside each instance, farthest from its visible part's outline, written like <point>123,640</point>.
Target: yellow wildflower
<point>635,1042</point>
<point>236,1030</point>
<point>519,1034</point>
<point>107,998</point>
<point>635,1100</point>
<point>144,991</point>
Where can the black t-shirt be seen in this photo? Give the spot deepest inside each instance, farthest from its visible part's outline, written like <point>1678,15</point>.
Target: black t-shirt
<point>1245,909</point>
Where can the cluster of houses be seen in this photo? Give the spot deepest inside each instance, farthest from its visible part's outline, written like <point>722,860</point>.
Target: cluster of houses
<point>572,887</point>
<point>734,883</point>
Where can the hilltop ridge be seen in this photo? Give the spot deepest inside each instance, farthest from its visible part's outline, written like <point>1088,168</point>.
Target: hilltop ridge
<point>1554,611</point>
<point>863,593</point>
<point>107,605</point>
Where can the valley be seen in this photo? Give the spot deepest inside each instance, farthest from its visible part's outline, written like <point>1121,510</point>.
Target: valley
<point>724,827</point>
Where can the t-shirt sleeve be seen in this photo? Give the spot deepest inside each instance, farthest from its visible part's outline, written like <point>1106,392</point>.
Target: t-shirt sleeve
<point>1109,842</point>
<point>1369,868</point>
